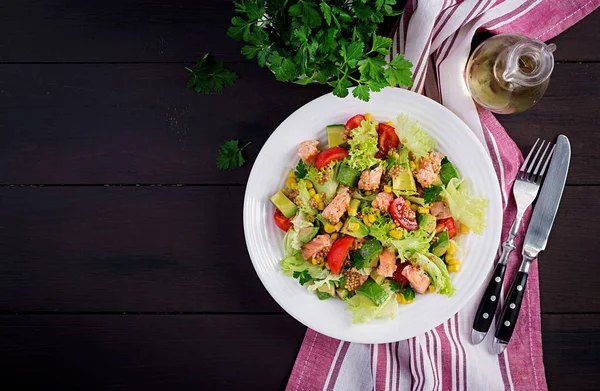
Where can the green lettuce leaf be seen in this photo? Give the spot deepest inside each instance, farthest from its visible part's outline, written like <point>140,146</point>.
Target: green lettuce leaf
<point>330,186</point>
<point>465,208</point>
<point>363,147</point>
<point>412,241</point>
<point>329,280</point>
<point>418,141</point>
<point>436,270</point>
<point>303,199</point>
<point>364,310</point>
<point>295,263</point>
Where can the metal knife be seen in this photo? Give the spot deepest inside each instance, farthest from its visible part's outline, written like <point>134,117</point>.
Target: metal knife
<point>535,239</point>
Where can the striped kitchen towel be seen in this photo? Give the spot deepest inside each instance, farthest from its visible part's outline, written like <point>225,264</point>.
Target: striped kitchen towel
<point>436,35</point>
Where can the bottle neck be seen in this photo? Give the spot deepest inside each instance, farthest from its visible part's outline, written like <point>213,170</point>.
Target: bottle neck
<point>527,63</point>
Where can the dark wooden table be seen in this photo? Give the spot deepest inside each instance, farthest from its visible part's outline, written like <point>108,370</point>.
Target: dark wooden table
<point>122,257</point>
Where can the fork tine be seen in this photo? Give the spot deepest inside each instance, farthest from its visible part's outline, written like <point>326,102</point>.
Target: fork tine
<point>541,176</point>
<point>531,164</point>
<point>522,169</point>
<point>537,167</point>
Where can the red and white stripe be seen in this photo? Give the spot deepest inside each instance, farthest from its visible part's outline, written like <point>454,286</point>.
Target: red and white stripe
<point>436,35</point>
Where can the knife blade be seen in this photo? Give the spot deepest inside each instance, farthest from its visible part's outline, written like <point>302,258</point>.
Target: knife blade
<point>536,239</point>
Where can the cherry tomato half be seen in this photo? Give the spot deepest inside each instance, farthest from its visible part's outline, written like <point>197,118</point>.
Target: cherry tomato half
<point>355,121</point>
<point>330,155</point>
<point>446,225</point>
<point>398,277</point>
<point>338,253</point>
<point>281,221</point>
<point>403,215</point>
<point>388,140</point>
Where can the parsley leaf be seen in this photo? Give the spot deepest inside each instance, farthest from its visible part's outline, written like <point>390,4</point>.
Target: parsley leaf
<point>371,67</point>
<point>230,155</point>
<point>431,193</point>
<point>303,277</point>
<point>210,75</point>
<point>301,170</point>
<point>398,72</point>
<point>326,9</point>
<point>306,12</point>
<point>408,293</point>
<point>381,45</point>
<point>394,287</point>
<point>361,92</point>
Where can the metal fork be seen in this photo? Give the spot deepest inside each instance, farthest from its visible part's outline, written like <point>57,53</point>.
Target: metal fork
<point>525,189</point>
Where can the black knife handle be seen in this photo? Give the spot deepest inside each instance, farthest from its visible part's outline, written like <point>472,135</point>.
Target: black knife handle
<point>512,306</point>
<point>489,301</point>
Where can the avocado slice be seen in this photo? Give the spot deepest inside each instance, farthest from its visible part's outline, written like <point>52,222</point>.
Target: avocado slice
<point>368,255</point>
<point>361,232</point>
<point>447,172</point>
<point>427,222</point>
<point>342,293</point>
<point>335,135</point>
<point>404,181</point>
<point>306,234</point>
<point>442,244</point>
<point>373,291</point>
<point>378,278</point>
<point>327,288</point>
<point>416,200</point>
<point>285,206</point>
<point>347,175</point>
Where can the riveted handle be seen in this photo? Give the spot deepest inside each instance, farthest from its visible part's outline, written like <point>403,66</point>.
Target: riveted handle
<point>489,301</point>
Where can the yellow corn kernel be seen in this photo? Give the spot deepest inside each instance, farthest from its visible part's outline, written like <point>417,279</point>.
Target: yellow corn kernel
<point>352,212</point>
<point>423,210</point>
<point>408,202</point>
<point>334,236</point>
<point>338,226</point>
<point>451,249</point>
<point>449,256</point>
<point>414,207</point>
<point>390,123</point>
<point>396,234</point>
<point>390,152</point>
<point>314,261</point>
<point>402,300</point>
<point>392,226</point>
<point>369,117</point>
<point>312,192</point>
<point>329,228</point>
<point>291,174</point>
<point>321,205</point>
<point>371,218</point>
<point>431,289</point>
<point>317,197</point>
<point>309,184</point>
<point>353,227</point>
<point>368,192</point>
<point>464,229</point>
<point>452,261</point>
<point>365,220</point>
<point>454,268</point>
<point>412,165</point>
<point>387,188</point>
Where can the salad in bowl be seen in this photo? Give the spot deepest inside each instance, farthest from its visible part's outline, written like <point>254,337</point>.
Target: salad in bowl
<point>373,218</point>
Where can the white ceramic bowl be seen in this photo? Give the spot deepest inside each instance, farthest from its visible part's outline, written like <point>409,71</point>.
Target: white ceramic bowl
<point>279,155</point>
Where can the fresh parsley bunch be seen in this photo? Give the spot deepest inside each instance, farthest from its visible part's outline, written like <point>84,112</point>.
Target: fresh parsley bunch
<point>330,42</point>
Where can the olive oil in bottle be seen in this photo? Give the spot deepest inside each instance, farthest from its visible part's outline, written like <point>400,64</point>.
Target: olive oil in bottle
<point>509,73</point>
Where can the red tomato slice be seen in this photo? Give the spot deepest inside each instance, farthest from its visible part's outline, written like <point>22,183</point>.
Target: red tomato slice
<point>282,222</point>
<point>355,121</point>
<point>398,277</point>
<point>403,215</point>
<point>388,140</point>
<point>330,155</point>
<point>446,225</point>
<point>338,253</point>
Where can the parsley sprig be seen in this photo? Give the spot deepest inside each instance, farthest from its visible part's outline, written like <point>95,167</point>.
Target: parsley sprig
<point>230,155</point>
<point>209,75</point>
<point>330,42</point>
